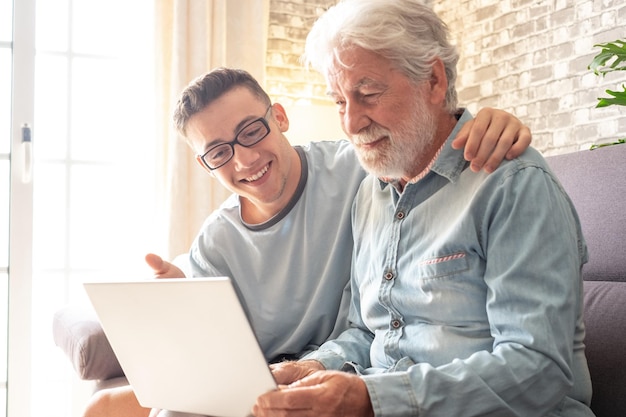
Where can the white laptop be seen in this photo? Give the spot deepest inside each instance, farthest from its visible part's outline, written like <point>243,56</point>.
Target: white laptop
<point>184,344</point>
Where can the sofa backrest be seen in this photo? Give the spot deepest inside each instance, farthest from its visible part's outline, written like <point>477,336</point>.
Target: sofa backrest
<point>596,183</point>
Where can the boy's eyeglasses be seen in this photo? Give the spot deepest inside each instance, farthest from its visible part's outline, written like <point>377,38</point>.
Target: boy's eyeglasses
<point>251,134</point>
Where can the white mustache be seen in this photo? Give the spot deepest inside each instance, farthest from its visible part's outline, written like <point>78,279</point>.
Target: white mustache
<point>372,134</point>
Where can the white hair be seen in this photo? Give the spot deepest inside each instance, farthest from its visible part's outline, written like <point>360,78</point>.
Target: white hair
<point>406,32</point>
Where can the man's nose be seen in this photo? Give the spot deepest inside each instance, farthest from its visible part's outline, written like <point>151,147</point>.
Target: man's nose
<point>244,157</point>
<point>354,118</point>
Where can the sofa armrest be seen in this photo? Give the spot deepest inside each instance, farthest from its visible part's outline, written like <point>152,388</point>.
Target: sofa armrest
<point>78,333</point>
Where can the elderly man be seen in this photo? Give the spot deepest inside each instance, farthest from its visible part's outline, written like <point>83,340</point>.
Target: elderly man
<point>466,289</point>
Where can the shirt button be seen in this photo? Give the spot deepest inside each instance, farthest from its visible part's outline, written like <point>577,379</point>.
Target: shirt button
<point>389,276</point>
<point>400,215</point>
<point>395,324</point>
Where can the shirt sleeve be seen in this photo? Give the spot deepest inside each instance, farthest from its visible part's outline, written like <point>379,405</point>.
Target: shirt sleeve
<point>352,345</point>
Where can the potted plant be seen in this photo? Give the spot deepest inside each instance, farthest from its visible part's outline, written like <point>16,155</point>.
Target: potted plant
<point>611,58</point>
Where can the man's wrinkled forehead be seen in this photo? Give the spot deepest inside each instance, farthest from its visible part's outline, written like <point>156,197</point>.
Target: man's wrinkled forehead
<point>360,74</point>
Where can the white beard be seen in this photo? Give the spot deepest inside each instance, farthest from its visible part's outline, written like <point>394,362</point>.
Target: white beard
<point>402,150</point>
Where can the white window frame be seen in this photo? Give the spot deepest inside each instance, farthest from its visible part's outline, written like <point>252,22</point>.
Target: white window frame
<point>20,214</point>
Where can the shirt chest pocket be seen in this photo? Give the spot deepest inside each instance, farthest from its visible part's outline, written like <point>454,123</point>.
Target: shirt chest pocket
<point>442,266</point>
<point>447,288</point>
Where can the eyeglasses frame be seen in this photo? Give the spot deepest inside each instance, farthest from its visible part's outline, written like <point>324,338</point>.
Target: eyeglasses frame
<point>262,119</point>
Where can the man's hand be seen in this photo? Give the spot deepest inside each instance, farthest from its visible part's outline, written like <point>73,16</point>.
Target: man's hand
<point>490,137</point>
<point>163,269</point>
<point>321,394</point>
<point>291,371</point>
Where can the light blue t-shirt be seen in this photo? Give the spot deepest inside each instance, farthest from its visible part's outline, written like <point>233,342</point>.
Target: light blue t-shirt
<point>467,294</point>
<point>293,270</point>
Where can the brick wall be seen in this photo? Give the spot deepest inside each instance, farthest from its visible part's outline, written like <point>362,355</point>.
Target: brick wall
<point>529,57</point>
<point>286,79</point>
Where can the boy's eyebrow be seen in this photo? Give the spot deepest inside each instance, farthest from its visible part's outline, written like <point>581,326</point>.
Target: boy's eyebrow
<point>236,130</point>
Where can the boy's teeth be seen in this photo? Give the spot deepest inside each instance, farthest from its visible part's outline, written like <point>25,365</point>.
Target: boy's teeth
<point>258,174</point>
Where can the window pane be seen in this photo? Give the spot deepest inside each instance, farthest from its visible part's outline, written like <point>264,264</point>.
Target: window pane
<point>6,20</point>
<point>94,167</point>
<point>92,18</point>
<point>50,137</point>
<point>114,228</point>
<point>50,216</point>
<point>5,100</point>
<point>52,26</point>
<point>104,112</point>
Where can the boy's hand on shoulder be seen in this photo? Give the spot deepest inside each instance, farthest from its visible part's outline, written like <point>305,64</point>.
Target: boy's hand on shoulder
<point>490,137</point>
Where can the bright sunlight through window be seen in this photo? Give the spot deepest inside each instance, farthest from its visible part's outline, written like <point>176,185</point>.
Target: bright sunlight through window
<point>95,213</point>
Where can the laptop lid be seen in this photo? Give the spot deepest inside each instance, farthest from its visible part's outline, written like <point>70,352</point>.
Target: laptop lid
<point>184,344</point>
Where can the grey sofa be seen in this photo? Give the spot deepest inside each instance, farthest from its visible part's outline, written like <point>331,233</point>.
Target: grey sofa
<point>596,182</point>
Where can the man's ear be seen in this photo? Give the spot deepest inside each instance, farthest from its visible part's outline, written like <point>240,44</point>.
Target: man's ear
<point>280,117</point>
<point>438,82</point>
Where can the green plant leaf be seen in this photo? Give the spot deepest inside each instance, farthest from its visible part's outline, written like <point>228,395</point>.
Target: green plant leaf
<point>615,51</point>
<point>619,98</point>
<point>602,145</point>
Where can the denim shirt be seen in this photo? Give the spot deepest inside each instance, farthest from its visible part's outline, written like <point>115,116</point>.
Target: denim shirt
<point>467,293</point>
